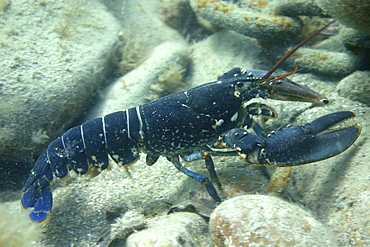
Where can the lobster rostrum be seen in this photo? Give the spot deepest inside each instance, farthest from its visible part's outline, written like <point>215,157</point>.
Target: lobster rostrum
<point>186,124</point>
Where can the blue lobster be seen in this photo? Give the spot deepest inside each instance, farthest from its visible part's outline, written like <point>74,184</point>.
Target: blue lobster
<point>188,124</point>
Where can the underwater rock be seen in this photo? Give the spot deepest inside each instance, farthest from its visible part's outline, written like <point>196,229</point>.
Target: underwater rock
<point>348,215</point>
<point>246,21</point>
<point>220,53</point>
<point>54,55</point>
<point>15,227</point>
<point>353,14</point>
<point>337,190</point>
<point>142,31</point>
<point>353,38</point>
<point>356,87</point>
<point>295,8</point>
<point>325,62</point>
<point>152,59</point>
<point>160,74</point>
<point>268,23</point>
<point>83,207</point>
<point>177,229</point>
<point>81,211</point>
<point>3,5</point>
<point>258,220</point>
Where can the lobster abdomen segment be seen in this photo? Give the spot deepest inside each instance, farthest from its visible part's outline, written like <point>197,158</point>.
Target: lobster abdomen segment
<point>121,131</point>
<point>79,148</point>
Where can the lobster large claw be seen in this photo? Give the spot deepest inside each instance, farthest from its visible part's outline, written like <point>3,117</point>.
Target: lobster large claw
<point>296,145</point>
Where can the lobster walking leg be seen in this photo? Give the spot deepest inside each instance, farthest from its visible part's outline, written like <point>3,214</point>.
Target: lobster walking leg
<point>196,176</point>
<point>211,169</point>
<point>206,155</point>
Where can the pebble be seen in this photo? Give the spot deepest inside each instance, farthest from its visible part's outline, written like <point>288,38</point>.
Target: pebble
<point>177,229</point>
<point>260,220</point>
<point>15,227</point>
<point>160,74</point>
<point>54,55</point>
<point>335,190</point>
<point>350,14</point>
<point>222,51</point>
<point>246,21</point>
<point>356,86</point>
<point>354,39</point>
<point>295,8</point>
<point>325,62</point>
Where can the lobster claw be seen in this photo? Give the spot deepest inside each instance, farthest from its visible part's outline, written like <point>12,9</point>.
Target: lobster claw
<point>296,145</point>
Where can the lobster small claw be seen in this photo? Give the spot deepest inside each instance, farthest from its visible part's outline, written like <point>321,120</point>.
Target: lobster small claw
<point>296,145</point>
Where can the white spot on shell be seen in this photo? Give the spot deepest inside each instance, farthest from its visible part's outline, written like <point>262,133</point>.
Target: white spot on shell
<point>234,117</point>
<point>218,123</point>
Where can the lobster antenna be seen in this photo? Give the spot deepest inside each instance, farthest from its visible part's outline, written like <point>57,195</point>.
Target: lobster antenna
<point>291,51</point>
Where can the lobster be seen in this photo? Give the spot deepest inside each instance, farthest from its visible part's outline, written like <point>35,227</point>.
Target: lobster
<point>187,125</point>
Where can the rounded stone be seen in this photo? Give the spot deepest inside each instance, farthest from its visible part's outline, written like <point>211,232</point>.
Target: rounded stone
<point>260,220</point>
<point>177,229</point>
<point>325,62</point>
<point>356,86</point>
<point>352,14</point>
<point>247,21</point>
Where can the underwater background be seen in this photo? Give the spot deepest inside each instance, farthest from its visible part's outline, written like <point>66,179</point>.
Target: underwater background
<point>65,62</point>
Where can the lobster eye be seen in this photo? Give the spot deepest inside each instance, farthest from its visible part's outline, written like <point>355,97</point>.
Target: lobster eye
<point>239,84</point>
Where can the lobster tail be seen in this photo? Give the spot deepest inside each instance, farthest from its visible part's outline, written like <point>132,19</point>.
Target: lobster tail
<point>79,149</point>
